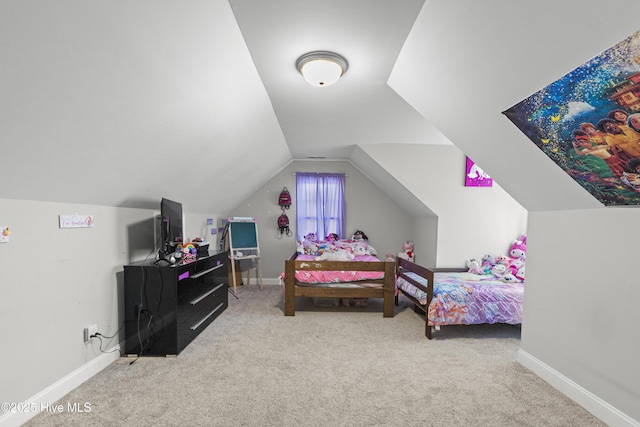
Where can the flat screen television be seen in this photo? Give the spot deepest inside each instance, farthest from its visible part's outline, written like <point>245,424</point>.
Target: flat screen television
<point>170,224</point>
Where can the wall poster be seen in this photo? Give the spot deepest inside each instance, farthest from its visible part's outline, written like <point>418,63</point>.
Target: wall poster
<point>588,123</point>
<point>476,177</point>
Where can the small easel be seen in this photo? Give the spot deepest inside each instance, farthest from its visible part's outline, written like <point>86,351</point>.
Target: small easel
<point>243,238</point>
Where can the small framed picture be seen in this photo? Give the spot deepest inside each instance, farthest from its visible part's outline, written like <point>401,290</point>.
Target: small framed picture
<point>475,177</point>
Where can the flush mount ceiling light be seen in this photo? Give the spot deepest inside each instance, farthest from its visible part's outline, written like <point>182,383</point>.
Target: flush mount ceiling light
<point>321,68</point>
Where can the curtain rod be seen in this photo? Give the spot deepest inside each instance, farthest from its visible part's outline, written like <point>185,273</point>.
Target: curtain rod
<point>318,173</point>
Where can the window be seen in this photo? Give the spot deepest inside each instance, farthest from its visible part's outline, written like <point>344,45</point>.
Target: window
<point>320,205</point>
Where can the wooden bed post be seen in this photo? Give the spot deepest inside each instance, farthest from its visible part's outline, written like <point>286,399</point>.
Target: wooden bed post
<point>290,288</point>
<point>396,271</point>
<point>389,288</point>
<point>430,283</point>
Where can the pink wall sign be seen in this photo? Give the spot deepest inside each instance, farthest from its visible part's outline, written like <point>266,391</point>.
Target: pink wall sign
<point>475,177</point>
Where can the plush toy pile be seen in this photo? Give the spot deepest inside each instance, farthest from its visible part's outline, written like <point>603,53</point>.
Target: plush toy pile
<point>334,249</point>
<point>508,268</point>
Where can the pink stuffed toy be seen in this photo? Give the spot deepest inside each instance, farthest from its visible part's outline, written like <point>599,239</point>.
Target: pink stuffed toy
<point>504,260</point>
<point>332,237</point>
<point>518,249</point>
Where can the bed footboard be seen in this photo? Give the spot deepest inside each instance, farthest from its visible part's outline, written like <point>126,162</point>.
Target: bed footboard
<point>402,268</point>
<point>292,289</point>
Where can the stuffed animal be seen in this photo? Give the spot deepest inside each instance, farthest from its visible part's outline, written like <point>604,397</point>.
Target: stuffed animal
<point>518,249</point>
<point>509,278</point>
<point>488,261</point>
<point>332,237</point>
<point>359,235</point>
<point>360,249</point>
<point>335,256</point>
<point>391,257</point>
<point>407,251</point>
<point>309,247</point>
<point>474,266</point>
<point>515,265</point>
<point>504,260</point>
<point>499,270</point>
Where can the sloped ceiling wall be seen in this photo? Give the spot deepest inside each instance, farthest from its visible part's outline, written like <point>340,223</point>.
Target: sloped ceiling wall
<point>467,61</point>
<point>122,103</point>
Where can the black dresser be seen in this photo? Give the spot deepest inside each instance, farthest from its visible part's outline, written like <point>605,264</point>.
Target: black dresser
<point>168,305</point>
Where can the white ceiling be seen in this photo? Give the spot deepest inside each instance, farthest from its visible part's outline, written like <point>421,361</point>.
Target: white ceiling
<point>121,103</point>
<point>360,108</point>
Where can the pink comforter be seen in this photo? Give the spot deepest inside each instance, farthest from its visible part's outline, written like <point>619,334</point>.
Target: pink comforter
<point>320,276</point>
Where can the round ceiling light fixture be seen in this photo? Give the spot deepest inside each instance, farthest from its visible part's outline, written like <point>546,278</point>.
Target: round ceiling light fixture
<point>321,68</point>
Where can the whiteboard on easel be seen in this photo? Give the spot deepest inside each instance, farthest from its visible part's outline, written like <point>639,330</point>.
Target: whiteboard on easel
<point>243,234</point>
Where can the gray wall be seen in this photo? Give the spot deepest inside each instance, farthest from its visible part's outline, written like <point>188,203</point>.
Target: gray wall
<point>56,281</point>
<point>472,221</point>
<point>581,305</point>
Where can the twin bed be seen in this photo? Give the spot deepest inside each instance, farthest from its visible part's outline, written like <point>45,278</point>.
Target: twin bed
<point>445,296</point>
<point>452,296</point>
<point>358,278</point>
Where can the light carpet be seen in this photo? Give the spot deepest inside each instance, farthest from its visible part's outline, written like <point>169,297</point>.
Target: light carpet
<point>325,366</point>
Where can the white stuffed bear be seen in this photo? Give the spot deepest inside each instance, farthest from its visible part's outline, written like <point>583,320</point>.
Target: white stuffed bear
<point>407,251</point>
<point>335,256</point>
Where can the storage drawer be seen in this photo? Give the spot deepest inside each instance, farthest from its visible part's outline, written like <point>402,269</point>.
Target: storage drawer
<point>182,299</point>
<point>199,306</point>
<point>196,315</point>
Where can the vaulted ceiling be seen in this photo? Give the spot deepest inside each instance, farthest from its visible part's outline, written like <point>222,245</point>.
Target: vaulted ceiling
<point>120,103</point>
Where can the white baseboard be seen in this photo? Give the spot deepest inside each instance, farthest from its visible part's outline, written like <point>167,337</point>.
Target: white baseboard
<point>592,403</point>
<point>59,389</point>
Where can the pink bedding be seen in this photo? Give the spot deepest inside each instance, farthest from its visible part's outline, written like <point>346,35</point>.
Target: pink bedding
<point>320,276</point>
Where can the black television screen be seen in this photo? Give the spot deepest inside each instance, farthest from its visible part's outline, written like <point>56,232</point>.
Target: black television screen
<point>171,223</point>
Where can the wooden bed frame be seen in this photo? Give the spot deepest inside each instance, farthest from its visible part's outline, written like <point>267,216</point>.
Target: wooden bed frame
<point>402,267</point>
<point>293,289</point>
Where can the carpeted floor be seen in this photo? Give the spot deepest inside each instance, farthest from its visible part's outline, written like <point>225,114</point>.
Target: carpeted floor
<point>325,367</point>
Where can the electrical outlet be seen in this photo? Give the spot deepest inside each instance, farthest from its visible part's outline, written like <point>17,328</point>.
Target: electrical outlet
<point>89,331</point>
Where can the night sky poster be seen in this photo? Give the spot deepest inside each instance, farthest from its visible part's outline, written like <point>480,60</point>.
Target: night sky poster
<point>588,123</point>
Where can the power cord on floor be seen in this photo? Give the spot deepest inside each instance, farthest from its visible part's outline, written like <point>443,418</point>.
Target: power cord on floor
<point>100,336</point>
